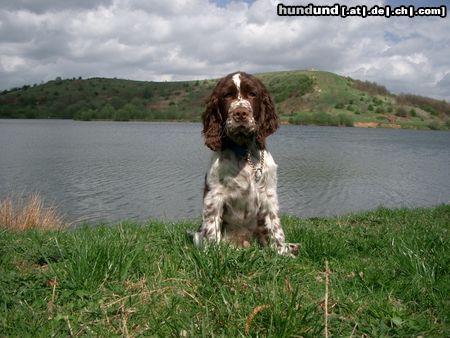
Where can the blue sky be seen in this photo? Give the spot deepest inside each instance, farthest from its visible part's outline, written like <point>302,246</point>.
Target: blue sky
<point>196,39</point>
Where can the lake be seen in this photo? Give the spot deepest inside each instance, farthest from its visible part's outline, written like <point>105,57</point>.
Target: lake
<point>112,171</point>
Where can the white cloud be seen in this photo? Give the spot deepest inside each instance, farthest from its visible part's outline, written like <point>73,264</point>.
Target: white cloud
<point>192,39</point>
<point>11,63</point>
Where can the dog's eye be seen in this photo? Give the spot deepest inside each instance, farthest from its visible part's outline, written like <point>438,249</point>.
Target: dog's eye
<point>252,94</point>
<point>228,95</point>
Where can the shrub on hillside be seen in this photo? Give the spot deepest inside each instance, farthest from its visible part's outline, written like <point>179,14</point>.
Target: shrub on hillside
<point>401,112</point>
<point>322,119</point>
<point>432,110</point>
<point>434,125</point>
<point>106,112</point>
<point>428,104</point>
<point>301,119</point>
<point>85,115</point>
<point>292,85</point>
<point>345,120</point>
<point>370,87</point>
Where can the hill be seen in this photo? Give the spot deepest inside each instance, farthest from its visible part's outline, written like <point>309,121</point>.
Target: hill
<point>302,97</point>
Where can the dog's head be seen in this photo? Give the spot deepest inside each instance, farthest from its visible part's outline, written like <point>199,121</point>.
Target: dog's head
<point>240,110</point>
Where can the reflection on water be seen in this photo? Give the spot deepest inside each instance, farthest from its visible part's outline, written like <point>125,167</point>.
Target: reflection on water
<point>114,171</point>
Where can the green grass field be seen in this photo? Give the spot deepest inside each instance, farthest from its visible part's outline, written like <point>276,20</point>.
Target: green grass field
<point>388,276</point>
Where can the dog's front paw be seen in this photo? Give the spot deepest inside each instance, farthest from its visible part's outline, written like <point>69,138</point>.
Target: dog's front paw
<point>289,249</point>
<point>196,238</point>
<point>294,248</point>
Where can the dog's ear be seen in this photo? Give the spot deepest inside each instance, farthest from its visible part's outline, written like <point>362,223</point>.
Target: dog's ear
<point>268,120</point>
<point>212,123</point>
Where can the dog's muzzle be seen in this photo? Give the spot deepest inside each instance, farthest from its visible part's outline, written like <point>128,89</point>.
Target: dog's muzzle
<point>240,118</point>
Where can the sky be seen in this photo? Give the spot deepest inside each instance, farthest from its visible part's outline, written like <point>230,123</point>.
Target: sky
<point>161,40</point>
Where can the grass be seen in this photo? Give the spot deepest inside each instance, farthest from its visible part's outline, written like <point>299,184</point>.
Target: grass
<point>387,275</point>
<point>23,214</point>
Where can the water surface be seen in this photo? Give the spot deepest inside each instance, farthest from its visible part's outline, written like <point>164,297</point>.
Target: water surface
<point>111,171</point>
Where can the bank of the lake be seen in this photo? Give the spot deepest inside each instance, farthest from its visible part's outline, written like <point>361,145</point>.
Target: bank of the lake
<point>388,276</point>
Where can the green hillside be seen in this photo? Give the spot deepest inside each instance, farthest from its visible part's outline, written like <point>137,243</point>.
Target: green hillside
<point>302,97</point>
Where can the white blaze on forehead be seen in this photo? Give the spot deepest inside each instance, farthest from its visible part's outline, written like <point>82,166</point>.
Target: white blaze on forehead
<point>237,83</point>
<point>239,102</point>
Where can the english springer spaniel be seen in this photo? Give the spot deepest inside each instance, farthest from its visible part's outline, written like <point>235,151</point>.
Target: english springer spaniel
<point>240,201</point>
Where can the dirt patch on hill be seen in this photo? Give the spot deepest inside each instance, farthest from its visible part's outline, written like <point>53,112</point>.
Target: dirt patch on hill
<point>376,125</point>
<point>365,124</point>
<point>390,125</point>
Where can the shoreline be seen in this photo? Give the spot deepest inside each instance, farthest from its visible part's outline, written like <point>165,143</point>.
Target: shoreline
<point>362,125</point>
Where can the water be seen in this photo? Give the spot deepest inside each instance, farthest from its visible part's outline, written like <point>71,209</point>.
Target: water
<point>110,171</point>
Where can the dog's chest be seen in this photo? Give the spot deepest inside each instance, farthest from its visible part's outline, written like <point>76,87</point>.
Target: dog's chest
<point>241,193</point>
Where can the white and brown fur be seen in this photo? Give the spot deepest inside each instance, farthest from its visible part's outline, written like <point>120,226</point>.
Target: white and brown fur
<point>237,206</point>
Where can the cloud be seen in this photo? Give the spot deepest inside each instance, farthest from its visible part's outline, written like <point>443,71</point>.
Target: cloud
<point>45,6</point>
<point>443,86</point>
<point>195,39</point>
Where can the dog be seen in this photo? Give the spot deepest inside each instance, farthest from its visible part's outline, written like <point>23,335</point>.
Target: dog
<point>240,202</point>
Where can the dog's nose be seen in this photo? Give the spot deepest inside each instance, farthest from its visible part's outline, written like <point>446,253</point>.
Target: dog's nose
<point>240,114</point>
